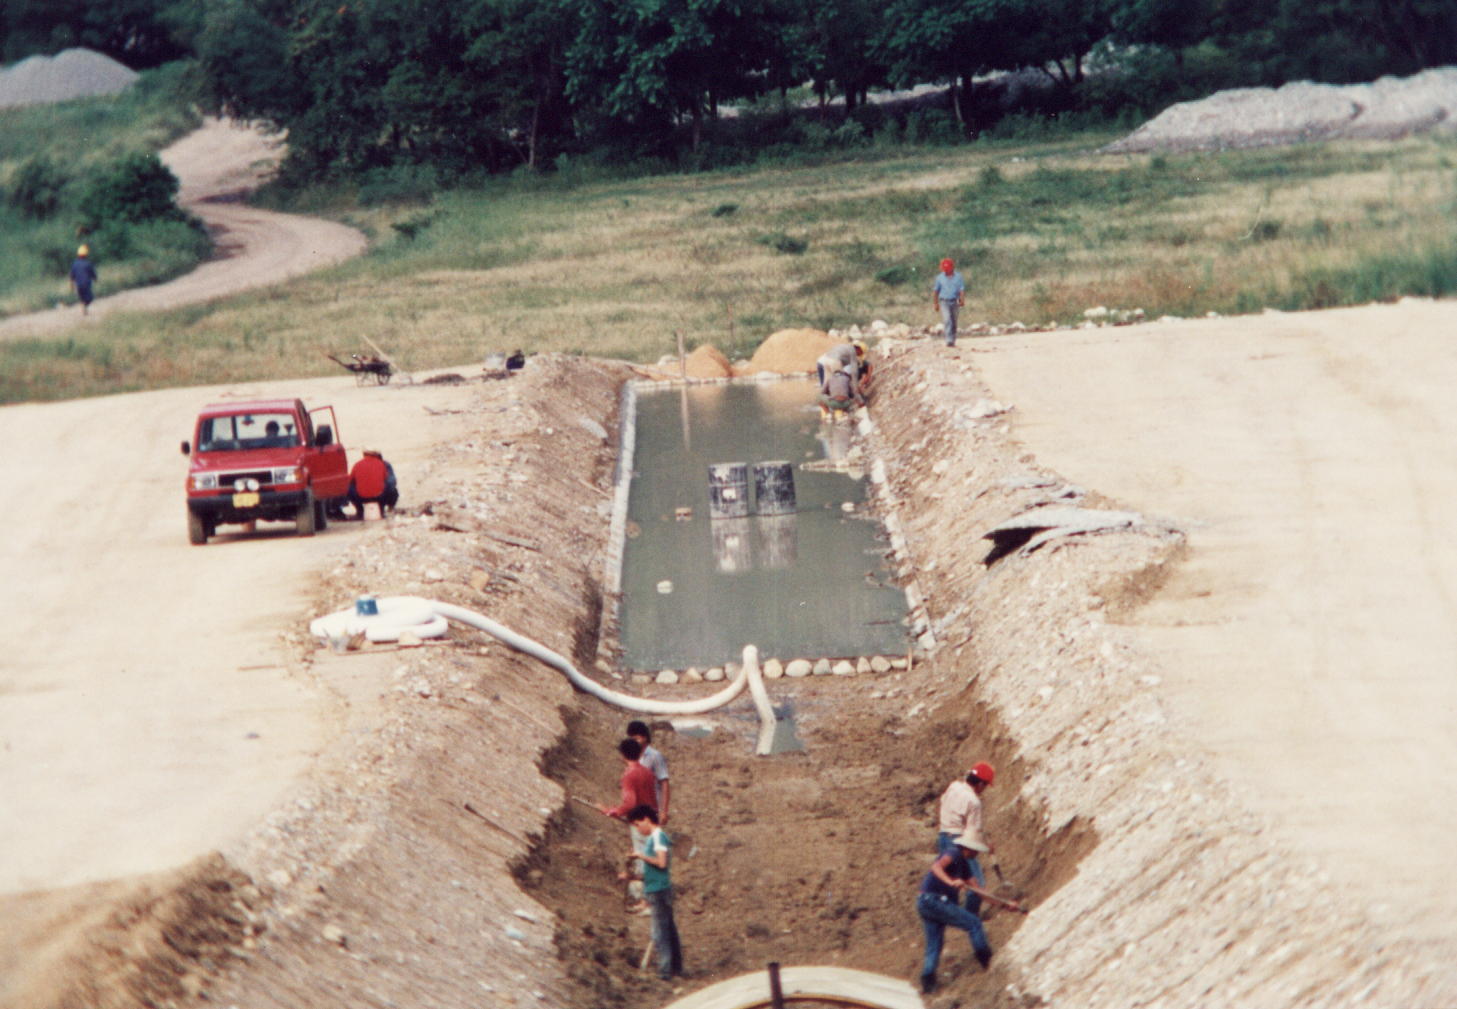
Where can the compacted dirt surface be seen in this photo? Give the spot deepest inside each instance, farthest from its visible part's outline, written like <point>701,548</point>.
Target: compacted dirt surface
<point>213,809</point>
<point>1222,726</point>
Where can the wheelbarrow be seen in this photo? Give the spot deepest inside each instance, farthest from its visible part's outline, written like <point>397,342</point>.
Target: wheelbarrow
<point>369,369</point>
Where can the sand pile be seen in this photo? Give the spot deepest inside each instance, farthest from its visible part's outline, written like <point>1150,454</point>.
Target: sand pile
<point>790,351</point>
<point>74,73</point>
<point>708,361</point>
<point>1262,117</point>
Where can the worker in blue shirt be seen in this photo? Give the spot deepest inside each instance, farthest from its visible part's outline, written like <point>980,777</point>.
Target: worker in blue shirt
<point>949,291</point>
<point>83,278</point>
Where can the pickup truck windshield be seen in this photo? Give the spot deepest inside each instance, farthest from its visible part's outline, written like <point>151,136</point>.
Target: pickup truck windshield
<point>244,431</point>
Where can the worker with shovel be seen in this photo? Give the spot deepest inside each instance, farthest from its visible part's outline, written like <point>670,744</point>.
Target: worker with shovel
<point>960,813</point>
<point>938,905</point>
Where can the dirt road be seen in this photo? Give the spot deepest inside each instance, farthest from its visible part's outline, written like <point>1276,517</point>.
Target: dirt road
<point>218,165</point>
<point>1310,639</point>
<point>147,710</point>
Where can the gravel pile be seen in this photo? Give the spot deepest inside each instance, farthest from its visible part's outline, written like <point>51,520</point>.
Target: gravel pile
<point>1294,113</point>
<point>73,73</point>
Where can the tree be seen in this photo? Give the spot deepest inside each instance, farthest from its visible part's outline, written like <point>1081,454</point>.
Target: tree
<point>650,63</point>
<point>835,44</point>
<point>139,33</point>
<point>1173,24</point>
<point>519,51</point>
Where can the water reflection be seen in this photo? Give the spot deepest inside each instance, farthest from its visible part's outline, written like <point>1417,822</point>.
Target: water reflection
<point>794,584</point>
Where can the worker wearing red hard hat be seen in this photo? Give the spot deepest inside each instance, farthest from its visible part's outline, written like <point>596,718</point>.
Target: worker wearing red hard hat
<point>948,293</point>
<point>960,816</point>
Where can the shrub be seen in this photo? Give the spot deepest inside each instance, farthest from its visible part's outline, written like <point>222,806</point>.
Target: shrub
<point>399,184</point>
<point>848,134</point>
<point>1265,230</point>
<point>153,251</point>
<point>725,209</point>
<point>813,134</point>
<point>134,187</point>
<point>36,188</point>
<point>780,242</point>
<point>932,126</point>
<point>411,226</point>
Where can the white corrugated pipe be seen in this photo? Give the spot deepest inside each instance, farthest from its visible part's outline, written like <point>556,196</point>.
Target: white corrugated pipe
<point>425,618</point>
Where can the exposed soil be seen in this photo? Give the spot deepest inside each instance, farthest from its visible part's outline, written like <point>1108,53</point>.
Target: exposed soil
<point>1302,112</point>
<point>432,855</point>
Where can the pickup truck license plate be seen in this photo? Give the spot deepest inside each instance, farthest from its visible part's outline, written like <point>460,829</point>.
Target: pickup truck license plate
<point>248,500</point>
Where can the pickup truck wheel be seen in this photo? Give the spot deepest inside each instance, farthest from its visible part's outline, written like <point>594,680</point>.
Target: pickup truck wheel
<point>321,516</point>
<point>197,531</point>
<point>305,515</point>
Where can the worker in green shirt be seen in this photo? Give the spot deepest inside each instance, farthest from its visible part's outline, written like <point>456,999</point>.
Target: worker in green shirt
<point>658,889</point>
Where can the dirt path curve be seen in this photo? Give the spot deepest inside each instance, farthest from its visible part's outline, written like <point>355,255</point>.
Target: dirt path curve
<point>1310,640</point>
<point>218,166</point>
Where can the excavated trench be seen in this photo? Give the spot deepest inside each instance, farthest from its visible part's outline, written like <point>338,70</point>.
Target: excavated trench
<point>807,857</point>
<point>434,857</point>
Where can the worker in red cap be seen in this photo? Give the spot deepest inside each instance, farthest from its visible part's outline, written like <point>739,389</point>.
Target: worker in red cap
<point>372,479</point>
<point>959,816</point>
<point>949,292</point>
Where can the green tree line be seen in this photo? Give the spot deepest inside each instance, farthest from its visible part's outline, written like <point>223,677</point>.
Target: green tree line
<point>364,85</point>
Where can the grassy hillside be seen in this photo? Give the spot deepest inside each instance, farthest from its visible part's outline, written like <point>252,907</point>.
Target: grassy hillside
<point>80,138</point>
<point>616,267</point>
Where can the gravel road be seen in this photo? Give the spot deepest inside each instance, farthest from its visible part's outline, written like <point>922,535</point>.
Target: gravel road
<point>1309,640</point>
<point>147,709</point>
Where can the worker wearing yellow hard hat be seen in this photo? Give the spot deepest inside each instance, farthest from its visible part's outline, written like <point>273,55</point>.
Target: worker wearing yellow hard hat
<point>83,278</point>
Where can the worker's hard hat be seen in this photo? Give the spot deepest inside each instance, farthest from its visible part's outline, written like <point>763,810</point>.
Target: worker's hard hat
<point>972,842</point>
<point>986,772</point>
<point>85,250</point>
<point>948,264</point>
<point>860,348</point>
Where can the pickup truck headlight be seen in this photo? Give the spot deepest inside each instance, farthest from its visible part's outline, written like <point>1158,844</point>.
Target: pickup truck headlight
<point>203,481</point>
<point>287,474</point>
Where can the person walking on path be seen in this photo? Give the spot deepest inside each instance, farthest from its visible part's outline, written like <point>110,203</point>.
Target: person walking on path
<point>638,789</point>
<point>959,814</point>
<point>658,888</point>
<point>83,278</point>
<point>949,292</point>
<point>938,906</point>
<point>654,761</point>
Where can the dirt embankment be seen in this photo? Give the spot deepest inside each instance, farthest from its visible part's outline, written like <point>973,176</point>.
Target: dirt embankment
<point>1188,898</point>
<point>434,856</point>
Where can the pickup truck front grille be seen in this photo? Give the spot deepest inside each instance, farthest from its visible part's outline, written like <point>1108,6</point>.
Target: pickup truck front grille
<point>263,476</point>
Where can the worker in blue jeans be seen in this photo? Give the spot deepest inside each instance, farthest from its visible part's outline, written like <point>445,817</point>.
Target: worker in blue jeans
<point>939,905</point>
<point>949,292</point>
<point>658,889</point>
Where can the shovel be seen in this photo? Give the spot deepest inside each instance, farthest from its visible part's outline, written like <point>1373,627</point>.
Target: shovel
<point>1006,890</point>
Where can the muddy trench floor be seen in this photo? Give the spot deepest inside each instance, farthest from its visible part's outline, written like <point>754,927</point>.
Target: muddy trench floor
<point>811,857</point>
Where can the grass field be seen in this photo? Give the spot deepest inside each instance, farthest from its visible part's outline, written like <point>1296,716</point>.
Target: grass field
<point>616,267</point>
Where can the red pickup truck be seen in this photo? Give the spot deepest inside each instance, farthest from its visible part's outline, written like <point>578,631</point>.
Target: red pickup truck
<point>264,459</point>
